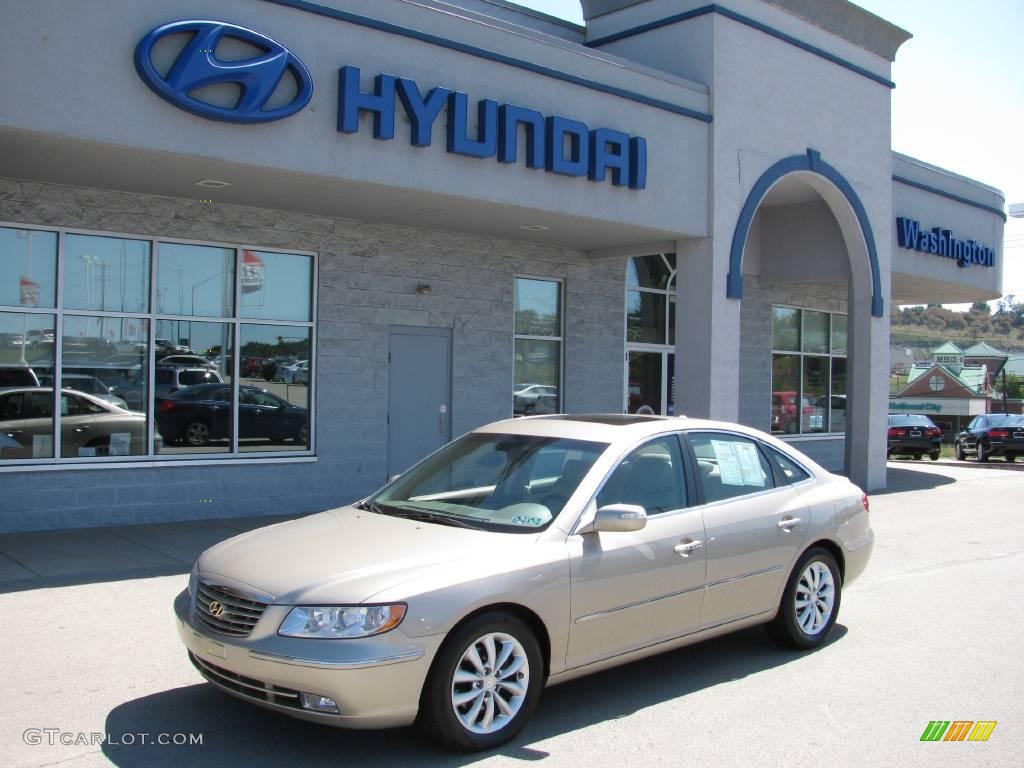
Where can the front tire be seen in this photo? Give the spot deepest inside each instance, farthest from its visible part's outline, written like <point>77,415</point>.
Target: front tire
<point>483,685</point>
<point>810,602</point>
<point>959,450</point>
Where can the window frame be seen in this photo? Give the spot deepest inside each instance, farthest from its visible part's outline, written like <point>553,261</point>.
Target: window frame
<point>831,355</point>
<point>151,317</point>
<point>560,338</point>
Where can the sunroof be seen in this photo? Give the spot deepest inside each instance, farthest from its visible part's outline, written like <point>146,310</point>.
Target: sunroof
<point>609,419</point>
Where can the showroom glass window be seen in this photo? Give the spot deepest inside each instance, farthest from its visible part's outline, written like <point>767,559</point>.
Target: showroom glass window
<point>139,336</point>
<point>808,372</point>
<point>537,353</point>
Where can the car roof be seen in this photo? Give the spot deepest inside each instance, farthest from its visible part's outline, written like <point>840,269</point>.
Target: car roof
<point>84,395</point>
<point>610,427</point>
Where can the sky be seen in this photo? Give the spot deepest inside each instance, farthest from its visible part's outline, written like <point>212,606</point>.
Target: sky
<point>959,96</point>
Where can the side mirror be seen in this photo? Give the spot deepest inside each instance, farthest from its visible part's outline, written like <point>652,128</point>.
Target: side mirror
<point>620,518</point>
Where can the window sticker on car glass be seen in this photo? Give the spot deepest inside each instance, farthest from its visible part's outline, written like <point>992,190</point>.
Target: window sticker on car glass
<point>729,468</point>
<point>750,465</point>
<point>738,463</point>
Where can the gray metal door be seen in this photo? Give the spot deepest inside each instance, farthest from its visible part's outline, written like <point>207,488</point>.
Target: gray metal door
<point>419,394</point>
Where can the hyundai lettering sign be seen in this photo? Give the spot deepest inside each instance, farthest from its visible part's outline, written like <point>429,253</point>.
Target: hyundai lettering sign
<point>554,143</point>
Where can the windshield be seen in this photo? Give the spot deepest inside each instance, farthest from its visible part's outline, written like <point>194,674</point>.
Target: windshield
<point>516,483</point>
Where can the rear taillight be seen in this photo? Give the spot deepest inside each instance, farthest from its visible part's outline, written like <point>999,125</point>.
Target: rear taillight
<point>897,432</point>
<point>865,503</point>
<point>1002,434</point>
<point>934,432</point>
<point>166,405</point>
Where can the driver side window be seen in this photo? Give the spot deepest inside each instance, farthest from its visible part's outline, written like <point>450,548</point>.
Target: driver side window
<point>651,477</point>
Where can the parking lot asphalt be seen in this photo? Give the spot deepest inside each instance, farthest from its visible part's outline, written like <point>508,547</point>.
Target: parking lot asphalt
<point>932,631</point>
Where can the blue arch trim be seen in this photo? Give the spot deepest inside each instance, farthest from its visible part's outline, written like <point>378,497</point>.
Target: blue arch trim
<point>813,163</point>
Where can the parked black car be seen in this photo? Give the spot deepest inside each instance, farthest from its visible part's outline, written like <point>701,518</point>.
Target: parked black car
<point>913,435</point>
<point>201,413</point>
<point>993,434</point>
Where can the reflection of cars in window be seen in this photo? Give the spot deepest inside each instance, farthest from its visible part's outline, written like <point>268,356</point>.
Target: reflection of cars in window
<point>169,379</point>
<point>297,373</point>
<point>201,413</point>
<point>164,347</point>
<point>88,384</point>
<point>995,434</point>
<point>89,426</point>
<point>252,366</point>
<point>187,361</point>
<point>785,413</point>
<point>18,376</point>
<point>532,399</point>
<point>515,534</point>
<point>913,435</point>
<point>272,367</point>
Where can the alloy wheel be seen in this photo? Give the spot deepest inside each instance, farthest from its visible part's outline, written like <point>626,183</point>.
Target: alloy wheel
<point>815,596</point>
<point>490,683</point>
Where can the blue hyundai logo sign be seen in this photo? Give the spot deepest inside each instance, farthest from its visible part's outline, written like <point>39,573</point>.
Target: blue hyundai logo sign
<point>197,67</point>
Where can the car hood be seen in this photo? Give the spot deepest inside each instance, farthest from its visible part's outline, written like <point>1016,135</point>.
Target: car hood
<point>347,555</point>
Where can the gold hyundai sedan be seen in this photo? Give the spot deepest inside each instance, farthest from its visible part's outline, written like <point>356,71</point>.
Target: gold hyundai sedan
<point>523,554</point>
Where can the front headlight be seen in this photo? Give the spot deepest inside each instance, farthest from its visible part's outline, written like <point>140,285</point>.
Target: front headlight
<point>340,621</point>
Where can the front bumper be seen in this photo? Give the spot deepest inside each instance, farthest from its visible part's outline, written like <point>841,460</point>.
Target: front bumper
<point>375,681</point>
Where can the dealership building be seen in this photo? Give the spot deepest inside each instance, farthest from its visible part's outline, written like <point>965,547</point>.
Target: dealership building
<point>383,223</point>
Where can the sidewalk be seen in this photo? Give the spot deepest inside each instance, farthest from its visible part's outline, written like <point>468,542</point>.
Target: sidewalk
<point>88,555</point>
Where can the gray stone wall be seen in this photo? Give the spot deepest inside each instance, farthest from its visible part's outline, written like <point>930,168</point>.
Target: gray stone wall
<point>756,355</point>
<point>368,274</point>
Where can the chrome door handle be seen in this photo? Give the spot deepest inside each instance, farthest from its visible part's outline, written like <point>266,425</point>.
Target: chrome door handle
<point>789,522</point>
<point>686,549</point>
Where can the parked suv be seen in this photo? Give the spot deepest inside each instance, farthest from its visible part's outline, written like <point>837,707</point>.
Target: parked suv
<point>169,379</point>
<point>913,435</point>
<point>994,434</point>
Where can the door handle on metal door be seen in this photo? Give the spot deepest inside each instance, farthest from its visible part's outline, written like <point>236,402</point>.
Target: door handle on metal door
<point>788,523</point>
<point>442,414</point>
<point>687,548</point>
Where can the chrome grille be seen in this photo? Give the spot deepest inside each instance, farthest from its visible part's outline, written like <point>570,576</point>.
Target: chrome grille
<point>227,612</point>
<point>246,686</point>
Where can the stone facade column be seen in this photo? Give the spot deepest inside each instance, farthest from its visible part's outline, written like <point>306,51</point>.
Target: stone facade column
<point>707,335</point>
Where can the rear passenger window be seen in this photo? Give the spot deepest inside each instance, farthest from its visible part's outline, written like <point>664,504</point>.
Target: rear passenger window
<point>651,477</point>
<point>729,465</point>
<point>792,471</point>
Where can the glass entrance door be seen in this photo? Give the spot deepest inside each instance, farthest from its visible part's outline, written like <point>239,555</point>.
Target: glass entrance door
<point>650,382</point>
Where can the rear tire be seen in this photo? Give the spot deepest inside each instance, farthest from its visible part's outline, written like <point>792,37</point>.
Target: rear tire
<point>982,453</point>
<point>959,451</point>
<point>197,434</point>
<point>483,685</point>
<point>810,602</point>
<point>934,455</point>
